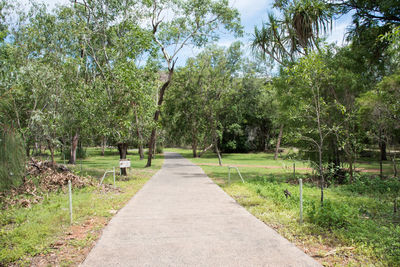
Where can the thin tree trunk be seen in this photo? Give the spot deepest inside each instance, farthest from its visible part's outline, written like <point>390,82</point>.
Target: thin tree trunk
<point>278,142</point>
<point>28,150</point>
<point>382,147</point>
<point>380,169</point>
<point>140,138</point>
<point>394,165</point>
<point>194,148</point>
<point>321,173</point>
<point>74,145</point>
<point>218,154</point>
<point>103,145</point>
<point>351,170</point>
<point>205,150</point>
<point>155,146</point>
<point>157,115</point>
<point>51,148</point>
<point>194,142</point>
<point>122,149</point>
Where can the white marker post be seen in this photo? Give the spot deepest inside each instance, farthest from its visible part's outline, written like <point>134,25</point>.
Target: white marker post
<point>301,200</point>
<point>70,200</point>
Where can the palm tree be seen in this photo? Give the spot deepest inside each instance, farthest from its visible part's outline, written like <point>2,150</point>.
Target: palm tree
<point>296,32</point>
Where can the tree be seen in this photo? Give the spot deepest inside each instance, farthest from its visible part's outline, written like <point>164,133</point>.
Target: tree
<point>296,32</point>
<point>309,109</point>
<point>193,23</point>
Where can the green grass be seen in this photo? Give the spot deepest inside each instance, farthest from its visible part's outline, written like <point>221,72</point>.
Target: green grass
<point>357,222</point>
<point>25,232</point>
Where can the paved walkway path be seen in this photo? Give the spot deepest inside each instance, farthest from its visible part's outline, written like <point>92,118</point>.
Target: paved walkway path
<point>181,218</point>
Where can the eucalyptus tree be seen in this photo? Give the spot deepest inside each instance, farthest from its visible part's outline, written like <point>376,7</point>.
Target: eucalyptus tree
<point>176,24</point>
<point>113,41</point>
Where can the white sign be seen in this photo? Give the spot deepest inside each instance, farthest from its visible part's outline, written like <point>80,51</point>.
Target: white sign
<point>124,163</point>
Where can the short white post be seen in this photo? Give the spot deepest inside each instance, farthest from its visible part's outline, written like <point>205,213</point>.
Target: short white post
<point>70,200</point>
<point>114,175</point>
<point>301,200</point>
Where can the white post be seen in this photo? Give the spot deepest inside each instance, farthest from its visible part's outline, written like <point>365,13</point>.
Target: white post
<point>301,200</point>
<point>114,175</point>
<point>70,200</point>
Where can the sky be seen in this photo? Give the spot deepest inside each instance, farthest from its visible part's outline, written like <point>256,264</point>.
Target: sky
<point>253,13</point>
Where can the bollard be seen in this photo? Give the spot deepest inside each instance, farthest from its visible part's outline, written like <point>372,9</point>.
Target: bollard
<point>301,200</point>
<point>294,170</point>
<point>70,200</point>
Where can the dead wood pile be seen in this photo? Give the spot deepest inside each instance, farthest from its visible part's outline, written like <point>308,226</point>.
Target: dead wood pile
<point>40,179</point>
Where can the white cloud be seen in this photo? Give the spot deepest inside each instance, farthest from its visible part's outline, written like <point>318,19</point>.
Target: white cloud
<point>251,8</point>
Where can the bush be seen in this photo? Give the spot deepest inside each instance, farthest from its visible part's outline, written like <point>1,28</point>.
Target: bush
<point>365,184</point>
<point>159,149</point>
<point>330,216</point>
<point>12,158</point>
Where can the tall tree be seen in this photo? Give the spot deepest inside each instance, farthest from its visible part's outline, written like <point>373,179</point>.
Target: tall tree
<point>192,22</point>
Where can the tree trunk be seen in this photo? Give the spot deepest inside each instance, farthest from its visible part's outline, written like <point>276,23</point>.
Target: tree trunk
<point>141,151</point>
<point>394,165</point>
<point>205,150</point>
<point>103,145</point>
<point>266,142</point>
<point>351,170</point>
<point>28,150</point>
<point>122,149</point>
<point>157,115</point>
<point>194,142</point>
<point>194,148</point>
<point>321,173</point>
<point>218,154</point>
<point>140,138</point>
<point>155,146</point>
<point>217,150</point>
<point>51,148</point>
<point>74,146</point>
<point>382,146</point>
<point>278,142</point>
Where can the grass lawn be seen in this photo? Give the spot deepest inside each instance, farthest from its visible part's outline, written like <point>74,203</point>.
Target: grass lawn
<point>357,226</point>
<point>43,234</point>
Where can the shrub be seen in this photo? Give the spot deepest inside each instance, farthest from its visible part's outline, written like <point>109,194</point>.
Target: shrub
<point>330,216</point>
<point>159,149</point>
<point>12,158</point>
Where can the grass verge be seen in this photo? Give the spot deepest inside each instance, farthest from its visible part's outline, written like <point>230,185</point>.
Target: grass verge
<point>43,235</point>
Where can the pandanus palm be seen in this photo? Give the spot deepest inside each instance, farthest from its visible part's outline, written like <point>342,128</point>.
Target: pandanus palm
<point>296,32</point>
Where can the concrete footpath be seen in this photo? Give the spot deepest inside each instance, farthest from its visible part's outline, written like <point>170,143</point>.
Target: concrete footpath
<point>181,218</point>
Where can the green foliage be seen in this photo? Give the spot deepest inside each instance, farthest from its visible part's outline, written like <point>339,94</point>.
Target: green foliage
<point>330,216</point>
<point>365,184</point>
<point>12,158</point>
